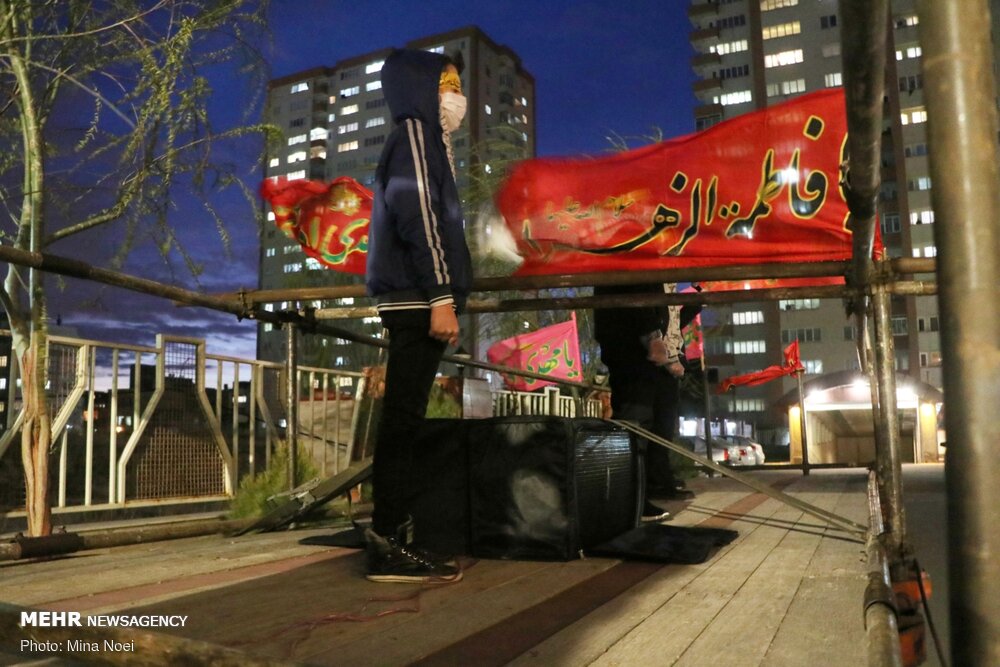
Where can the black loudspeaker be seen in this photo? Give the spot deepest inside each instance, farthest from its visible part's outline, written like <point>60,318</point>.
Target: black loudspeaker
<point>536,488</point>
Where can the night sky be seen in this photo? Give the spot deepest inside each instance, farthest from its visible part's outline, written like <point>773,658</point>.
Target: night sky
<point>600,69</point>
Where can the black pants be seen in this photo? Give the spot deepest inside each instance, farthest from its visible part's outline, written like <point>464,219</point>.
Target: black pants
<point>413,362</point>
<point>648,396</point>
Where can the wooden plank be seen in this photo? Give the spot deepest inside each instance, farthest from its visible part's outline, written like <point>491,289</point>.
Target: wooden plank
<point>756,610</point>
<point>824,623</point>
<point>316,608</point>
<point>421,635</point>
<point>670,629</point>
<point>589,638</point>
<point>92,573</point>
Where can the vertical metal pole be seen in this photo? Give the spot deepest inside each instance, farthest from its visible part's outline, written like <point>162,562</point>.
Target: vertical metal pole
<point>291,400</point>
<point>887,461</point>
<point>708,410</point>
<point>802,424</point>
<point>960,92</point>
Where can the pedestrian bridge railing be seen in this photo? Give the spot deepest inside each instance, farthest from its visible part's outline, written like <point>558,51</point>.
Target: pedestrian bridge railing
<point>137,425</point>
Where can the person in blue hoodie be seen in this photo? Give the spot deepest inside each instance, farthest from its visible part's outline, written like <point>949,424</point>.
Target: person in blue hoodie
<point>420,272</point>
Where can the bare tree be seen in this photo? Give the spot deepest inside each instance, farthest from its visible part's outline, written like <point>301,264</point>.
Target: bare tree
<point>105,123</point>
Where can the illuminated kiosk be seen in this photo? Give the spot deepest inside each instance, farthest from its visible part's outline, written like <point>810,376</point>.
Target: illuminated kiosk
<point>840,426</point>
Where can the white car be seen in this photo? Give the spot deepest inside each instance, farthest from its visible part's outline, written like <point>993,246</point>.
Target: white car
<point>725,452</point>
<point>750,453</point>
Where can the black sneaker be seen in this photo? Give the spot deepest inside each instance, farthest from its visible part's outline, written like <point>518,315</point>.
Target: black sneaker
<point>653,514</point>
<point>393,560</point>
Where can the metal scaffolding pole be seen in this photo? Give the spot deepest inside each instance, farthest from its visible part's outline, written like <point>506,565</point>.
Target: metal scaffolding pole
<point>292,400</point>
<point>960,93</point>
<point>888,467</point>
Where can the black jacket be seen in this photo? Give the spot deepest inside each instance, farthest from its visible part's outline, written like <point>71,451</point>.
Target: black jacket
<point>619,331</point>
<point>417,255</point>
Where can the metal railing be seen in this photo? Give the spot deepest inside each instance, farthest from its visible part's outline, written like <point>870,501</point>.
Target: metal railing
<point>549,402</point>
<point>140,425</point>
<point>137,425</point>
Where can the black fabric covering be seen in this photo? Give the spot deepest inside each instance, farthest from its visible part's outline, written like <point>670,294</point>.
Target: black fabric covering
<point>544,488</point>
<point>540,488</point>
<point>665,544</point>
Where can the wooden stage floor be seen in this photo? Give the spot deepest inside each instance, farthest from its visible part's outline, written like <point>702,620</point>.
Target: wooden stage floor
<point>787,591</point>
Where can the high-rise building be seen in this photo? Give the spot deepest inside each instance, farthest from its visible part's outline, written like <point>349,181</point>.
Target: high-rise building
<point>751,54</point>
<point>335,122</point>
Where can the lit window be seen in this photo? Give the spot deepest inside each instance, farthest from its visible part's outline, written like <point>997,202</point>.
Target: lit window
<point>488,109</point>
<point>813,366</point>
<point>768,5</point>
<point>373,85</point>
<point>299,87</point>
<point>347,127</point>
<point>436,49</point>
<point>782,30</point>
<point>331,117</point>
<point>349,109</point>
<point>347,146</point>
<point>375,122</point>
<point>787,87</point>
<point>371,68</point>
<point>524,101</point>
<point>749,347</point>
<point>783,58</point>
<point>350,92</point>
<point>297,139</point>
<point>748,317</point>
<point>317,152</point>
<point>729,47</point>
<point>833,79</point>
<point>295,175</point>
<point>798,304</point>
<point>318,134</point>
<point>914,116</point>
<point>738,97</point>
<point>270,216</point>
<point>298,156</point>
<point>313,264</point>
<point>293,268</point>
<point>274,162</point>
<point>270,252</point>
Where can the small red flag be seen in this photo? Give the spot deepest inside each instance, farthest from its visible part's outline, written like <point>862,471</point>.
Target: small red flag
<point>791,365</point>
<point>552,350</point>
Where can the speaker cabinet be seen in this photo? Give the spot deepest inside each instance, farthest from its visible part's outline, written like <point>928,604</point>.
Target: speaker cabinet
<point>535,488</point>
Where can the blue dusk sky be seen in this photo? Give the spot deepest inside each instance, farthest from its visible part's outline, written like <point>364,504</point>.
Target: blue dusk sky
<point>600,69</point>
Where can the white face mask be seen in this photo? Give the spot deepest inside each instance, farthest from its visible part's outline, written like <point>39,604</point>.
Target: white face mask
<point>452,110</point>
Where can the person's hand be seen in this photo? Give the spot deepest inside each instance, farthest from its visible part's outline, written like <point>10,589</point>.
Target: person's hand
<point>657,351</point>
<point>444,324</point>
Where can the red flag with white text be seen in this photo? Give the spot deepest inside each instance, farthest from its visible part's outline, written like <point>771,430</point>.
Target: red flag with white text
<point>792,364</point>
<point>552,351</point>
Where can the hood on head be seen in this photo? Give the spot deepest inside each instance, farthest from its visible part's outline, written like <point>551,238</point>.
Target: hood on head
<point>410,84</point>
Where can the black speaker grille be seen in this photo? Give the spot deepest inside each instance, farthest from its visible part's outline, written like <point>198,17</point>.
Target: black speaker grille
<point>606,479</point>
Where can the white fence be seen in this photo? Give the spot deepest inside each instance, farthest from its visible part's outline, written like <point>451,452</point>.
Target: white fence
<point>137,426</point>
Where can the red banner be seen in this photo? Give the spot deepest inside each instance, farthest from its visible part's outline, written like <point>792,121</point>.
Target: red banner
<point>791,365</point>
<point>329,220</point>
<point>761,187</point>
<point>552,350</point>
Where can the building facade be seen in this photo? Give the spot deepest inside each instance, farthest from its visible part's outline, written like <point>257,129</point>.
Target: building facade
<point>750,54</point>
<point>335,122</point>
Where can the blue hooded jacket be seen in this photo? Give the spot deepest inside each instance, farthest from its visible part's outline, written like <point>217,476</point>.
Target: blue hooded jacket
<point>417,255</point>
